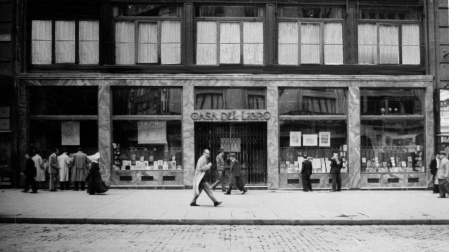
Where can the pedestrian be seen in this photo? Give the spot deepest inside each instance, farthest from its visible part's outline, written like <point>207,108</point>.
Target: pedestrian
<point>54,169</point>
<point>221,171</point>
<point>94,182</point>
<point>235,176</point>
<point>30,173</point>
<point>443,175</point>
<point>306,172</point>
<point>336,166</point>
<point>40,169</point>
<point>79,169</point>
<point>64,162</point>
<point>434,164</point>
<point>200,179</point>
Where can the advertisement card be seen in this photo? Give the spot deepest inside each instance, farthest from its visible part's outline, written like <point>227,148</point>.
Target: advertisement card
<point>325,139</point>
<point>310,140</point>
<point>295,138</point>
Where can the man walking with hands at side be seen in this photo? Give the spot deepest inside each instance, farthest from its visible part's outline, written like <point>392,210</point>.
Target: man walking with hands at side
<point>235,176</point>
<point>200,181</point>
<point>220,170</point>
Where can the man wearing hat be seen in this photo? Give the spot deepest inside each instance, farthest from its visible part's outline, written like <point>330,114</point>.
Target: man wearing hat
<point>306,172</point>
<point>235,176</point>
<point>220,170</point>
<point>443,175</point>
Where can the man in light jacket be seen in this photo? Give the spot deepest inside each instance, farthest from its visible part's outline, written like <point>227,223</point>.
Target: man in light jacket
<point>200,182</point>
<point>79,169</point>
<point>443,174</point>
<point>64,162</point>
<point>220,170</point>
<point>54,169</point>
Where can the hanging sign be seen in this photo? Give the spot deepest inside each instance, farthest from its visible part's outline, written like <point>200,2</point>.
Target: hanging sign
<point>70,133</point>
<point>152,132</point>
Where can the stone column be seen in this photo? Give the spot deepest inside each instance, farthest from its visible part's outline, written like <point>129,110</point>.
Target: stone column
<point>273,138</point>
<point>104,130</point>
<point>22,132</point>
<point>188,133</point>
<point>354,136</point>
<point>429,131</point>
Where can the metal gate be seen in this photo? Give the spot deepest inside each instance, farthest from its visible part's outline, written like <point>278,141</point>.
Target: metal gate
<point>247,140</point>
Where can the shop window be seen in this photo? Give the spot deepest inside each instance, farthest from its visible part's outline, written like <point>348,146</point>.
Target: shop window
<point>147,145</point>
<point>63,100</point>
<point>301,41</point>
<point>147,101</point>
<point>296,101</point>
<point>389,37</point>
<point>392,101</point>
<point>65,42</point>
<point>317,139</point>
<point>230,98</point>
<point>153,40</point>
<point>392,145</point>
<point>231,40</point>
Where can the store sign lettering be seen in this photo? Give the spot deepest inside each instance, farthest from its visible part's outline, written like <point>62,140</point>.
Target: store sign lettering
<point>231,116</point>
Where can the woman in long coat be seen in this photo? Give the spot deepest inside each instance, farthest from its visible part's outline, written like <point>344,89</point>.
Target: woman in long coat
<point>40,168</point>
<point>94,182</point>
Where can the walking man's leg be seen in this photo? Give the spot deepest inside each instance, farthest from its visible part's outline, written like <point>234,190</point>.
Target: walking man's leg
<point>442,190</point>
<point>338,182</point>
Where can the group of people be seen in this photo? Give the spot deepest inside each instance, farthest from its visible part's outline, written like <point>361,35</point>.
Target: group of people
<point>306,171</point>
<point>439,168</point>
<point>202,176</point>
<point>62,168</point>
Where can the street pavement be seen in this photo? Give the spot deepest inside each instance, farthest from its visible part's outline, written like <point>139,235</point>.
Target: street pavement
<point>263,207</point>
<point>198,238</point>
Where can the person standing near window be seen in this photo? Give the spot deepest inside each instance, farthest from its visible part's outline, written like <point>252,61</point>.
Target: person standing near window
<point>336,166</point>
<point>443,175</point>
<point>306,172</point>
<point>64,163</point>
<point>54,169</point>
<point>40,169</point>
<point>434,163</point>
<point>79,169</point>
<point>30,173</point>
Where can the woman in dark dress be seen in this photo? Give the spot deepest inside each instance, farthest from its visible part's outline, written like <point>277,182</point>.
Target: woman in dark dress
<point>94,182</point>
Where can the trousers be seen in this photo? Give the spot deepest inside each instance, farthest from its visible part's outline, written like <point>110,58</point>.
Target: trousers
<point>221,179</point>
<point>306,183</point>
<point>206,187</point>
<point>336,181</point>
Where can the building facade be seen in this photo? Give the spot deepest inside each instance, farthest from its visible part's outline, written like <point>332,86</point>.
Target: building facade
<point>150,85</point>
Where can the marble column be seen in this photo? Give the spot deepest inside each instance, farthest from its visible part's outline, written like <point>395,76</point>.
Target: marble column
<point>430,134</point>
<point>188,134</point>
<point>354,136</point>
<point>104,130</point>
<point>22,128</point>
<point>273,138</point>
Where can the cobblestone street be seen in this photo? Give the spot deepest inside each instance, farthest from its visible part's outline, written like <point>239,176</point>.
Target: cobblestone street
<point>46,237</point>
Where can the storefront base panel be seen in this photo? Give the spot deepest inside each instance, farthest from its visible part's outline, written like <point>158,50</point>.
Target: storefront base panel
<point>319,181</point>
<point>147,178</point>
<point>393,180</point>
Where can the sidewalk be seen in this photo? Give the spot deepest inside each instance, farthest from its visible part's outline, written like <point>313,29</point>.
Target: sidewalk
<point>265,207</point>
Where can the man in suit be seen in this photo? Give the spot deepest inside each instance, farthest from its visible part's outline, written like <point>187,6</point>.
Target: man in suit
<point>220,170</point>
<point>80,163</point>
<point>54,169</point>
<point>336,166</point>
<point>443,174</point>
<point>30,173</point>
<point>434,163</point>
<point>200,180</point>
<point>306,172</point>
<point>235,176</point>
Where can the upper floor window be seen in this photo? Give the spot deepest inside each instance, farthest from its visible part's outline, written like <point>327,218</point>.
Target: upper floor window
<point>389,36</point>
<point>230,98</point>
<point>155,39</point>
<point>229,35</point>
<point>71,42</point>
<point>309,35</point>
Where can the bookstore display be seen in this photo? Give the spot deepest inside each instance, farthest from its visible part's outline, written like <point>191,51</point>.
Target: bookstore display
<point>315,139</point>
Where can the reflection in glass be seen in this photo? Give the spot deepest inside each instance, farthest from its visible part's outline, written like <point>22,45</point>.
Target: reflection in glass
<point>297,101</point>
<point>147,10</point>
<point>390,14</point>
<point>147,101</point>
<point>230,98</point>
<point>392,101</point>
<point>310,12</point>
<point>229,11</point>
<point>392,145</point>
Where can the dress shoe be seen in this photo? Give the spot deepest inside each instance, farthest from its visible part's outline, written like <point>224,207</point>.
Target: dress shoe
<point>304,191</point>
<point>441,197</point>
<point>53,190</point>
<point>24,191</point>
<point>332,191</point>
<point>194,204</point>
<point>244,191</point>
<point>216,203</point>
<point>227,193</point>
<point>33,192</point>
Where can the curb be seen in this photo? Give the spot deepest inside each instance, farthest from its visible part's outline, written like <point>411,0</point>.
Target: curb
<point>286,222</point>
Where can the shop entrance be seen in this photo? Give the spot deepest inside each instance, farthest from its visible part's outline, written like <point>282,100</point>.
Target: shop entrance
<point>247,140</point>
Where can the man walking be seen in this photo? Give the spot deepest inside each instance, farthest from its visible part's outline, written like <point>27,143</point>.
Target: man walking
<point>220,170</point>
<point>200,181</point>
<point>79,169</point>
<point>306,172</point>
<point>443,174</point>
<point>64,163</point>
<point>235,176</point>
<point>54,169</point>
<point>30,173</point>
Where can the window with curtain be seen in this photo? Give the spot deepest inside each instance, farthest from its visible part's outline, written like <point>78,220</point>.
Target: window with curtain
<point>303,41</point>
<point>230,98</point>
<point>321,101</point>
<point>42,52</point>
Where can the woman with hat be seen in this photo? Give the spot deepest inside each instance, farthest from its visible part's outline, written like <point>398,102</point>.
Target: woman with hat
<point>94,182</point>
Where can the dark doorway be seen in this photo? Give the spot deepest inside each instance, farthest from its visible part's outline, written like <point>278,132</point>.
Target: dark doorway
<point>247,140</point>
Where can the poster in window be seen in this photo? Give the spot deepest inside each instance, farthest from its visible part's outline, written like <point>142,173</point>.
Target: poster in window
<point>4,112</point>
<point>325,139</point>
<point>4,124</point>
<point>295,138</point>
<point>152,132</point>
<point>70,133</point>
<point>310,139</point>
<point>444,110</point>
<point>230,144</point>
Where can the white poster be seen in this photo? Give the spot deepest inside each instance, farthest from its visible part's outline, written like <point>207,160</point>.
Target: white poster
<point>70,133</point>
<point>295,138</point>
<point>325,139</point>
<point>310,140</point>
<point>444,110</point>
<point>152,132</point>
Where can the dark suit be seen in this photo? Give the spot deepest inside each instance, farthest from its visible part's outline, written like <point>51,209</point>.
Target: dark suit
<point>335,172</point>
<point>433,170</point>
<point>235,176</point>
<point>306,172</point>
<point>30,173</point>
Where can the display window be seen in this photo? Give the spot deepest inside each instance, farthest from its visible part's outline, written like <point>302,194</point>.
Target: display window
<point>147,145</point>
<point>296,101</point>
<point>392,101</point>
<point>315,139</point>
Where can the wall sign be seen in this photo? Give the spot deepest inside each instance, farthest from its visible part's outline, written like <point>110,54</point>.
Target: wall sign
<point>295,138</point>
<point>231,115</point>
<point>152,132</point>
